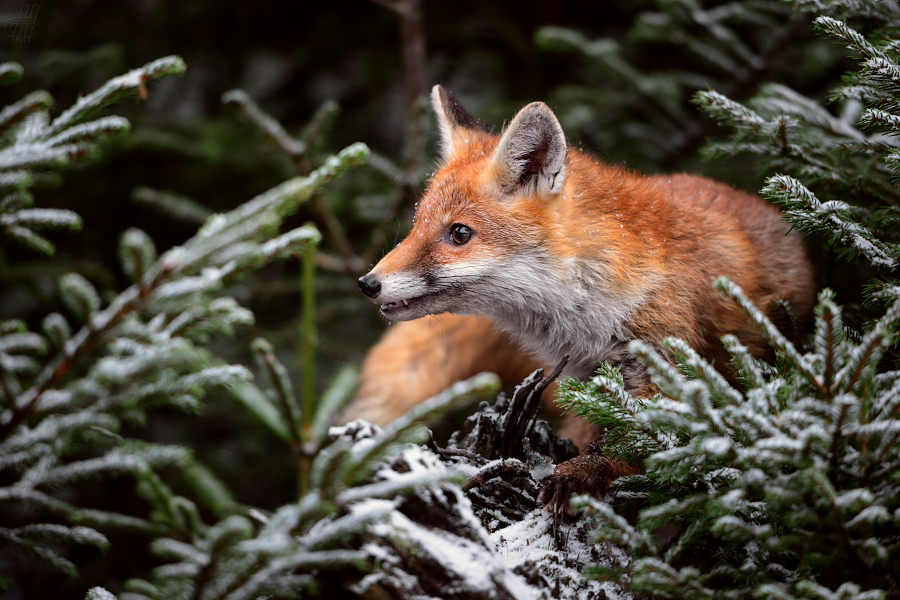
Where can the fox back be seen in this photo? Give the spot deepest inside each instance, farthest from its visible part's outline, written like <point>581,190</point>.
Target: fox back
<point>572,257</point>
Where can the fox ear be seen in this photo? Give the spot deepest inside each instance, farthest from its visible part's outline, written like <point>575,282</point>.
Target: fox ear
<point>531,154</point>
<point>453,120</point>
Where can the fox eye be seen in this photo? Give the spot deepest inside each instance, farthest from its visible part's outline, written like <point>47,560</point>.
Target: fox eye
<point>460,234</point>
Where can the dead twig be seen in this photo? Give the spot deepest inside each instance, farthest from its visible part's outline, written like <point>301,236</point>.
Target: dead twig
<point>510,465</point>
<point>520,418</point>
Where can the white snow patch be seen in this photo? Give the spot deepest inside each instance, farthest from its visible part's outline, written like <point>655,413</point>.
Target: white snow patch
<point>717,446</point>
<point>477,567</point>
<point>356,430</point>
<point>531,539</point>
<point>467,467</point>
<point>542,470</point>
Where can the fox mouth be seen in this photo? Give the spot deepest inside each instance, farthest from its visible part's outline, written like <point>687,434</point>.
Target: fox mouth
<point>412,308</point>
<point>400,306</point>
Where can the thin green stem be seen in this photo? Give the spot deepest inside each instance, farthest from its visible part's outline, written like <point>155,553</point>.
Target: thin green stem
<point>308,336</point>
<point>308,343</point>
<point>305,469</point>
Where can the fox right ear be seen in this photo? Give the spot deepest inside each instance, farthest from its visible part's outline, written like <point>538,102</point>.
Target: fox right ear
<point>453,121</point>
<point>531,155</point>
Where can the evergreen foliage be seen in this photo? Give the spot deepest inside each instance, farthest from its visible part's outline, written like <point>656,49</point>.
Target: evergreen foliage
<point>781,484</point>
<point>254,554</point>
<point>45,426</point>
<point>68,392</point>
<point>636,103</point>
<point>831,155</point>
<point>34,141</point>
<point>776,490</point>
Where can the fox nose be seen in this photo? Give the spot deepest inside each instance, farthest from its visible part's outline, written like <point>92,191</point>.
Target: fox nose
<point>370,285</point>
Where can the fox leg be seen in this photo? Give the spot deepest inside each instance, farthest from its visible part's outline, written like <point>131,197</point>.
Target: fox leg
<point>588,473</point>
<point>416,360</point>
<point>591,472</point>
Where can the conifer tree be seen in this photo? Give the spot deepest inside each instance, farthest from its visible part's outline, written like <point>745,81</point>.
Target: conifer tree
<point>629,98</point>
<point>67,391</point>
<point>784,485</point>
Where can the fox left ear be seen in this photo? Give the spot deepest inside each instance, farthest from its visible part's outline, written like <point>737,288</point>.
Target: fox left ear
<point>455,123</point>
<point>531,155</point>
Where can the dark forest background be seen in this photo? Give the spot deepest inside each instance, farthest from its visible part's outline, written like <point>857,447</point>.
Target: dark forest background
<point>291,57</point>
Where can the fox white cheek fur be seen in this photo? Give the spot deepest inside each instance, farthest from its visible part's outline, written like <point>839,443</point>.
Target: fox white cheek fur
<point>400,287</point>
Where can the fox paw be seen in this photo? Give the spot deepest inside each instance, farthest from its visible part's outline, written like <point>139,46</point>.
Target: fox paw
<point>588,473</point>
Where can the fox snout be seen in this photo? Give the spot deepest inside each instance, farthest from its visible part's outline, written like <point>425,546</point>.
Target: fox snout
<point>370,285</point>
<point>405,295</point>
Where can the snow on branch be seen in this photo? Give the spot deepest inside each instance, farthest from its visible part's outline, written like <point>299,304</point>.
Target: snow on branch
<point>146,347</point>
<point>37,143</point>
<point>835,217</point>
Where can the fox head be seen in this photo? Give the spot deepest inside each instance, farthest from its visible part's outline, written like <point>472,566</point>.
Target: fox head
<point>481,230</point>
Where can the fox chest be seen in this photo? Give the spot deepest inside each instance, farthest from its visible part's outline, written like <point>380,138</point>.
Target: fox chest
<point>575,315</point>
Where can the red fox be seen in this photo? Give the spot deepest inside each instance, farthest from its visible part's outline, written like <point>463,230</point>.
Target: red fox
<point>568,256</point>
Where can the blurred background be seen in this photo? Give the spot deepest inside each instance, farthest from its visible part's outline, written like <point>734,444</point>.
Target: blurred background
<point>620,75</point>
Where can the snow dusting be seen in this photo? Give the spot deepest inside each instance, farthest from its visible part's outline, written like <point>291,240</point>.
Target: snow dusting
<point>530,544</point>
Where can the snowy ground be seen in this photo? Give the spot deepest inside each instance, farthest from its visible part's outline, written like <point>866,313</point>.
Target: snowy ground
<point>491,541</point>
<point>532,540</point>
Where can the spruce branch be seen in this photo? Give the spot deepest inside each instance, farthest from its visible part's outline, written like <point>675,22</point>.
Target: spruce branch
<point>10,72</point>
<point>606,403</point>
<point>268,125</point>
<point>297,151</point>
<point>830,337</point>
<point>282,387</point>
<point>142,362</point>
<point>16,112</point>
<point>855,40</point>
<point>133,82</point>
<point>760,475</point>
<point>33,142</point>
<point>409,426</point>
<point>334,399</point>
<point>701,369</point>
<point>727,288</point>
<point>255,401</point>
<point>248,220</point>
<point>835,217</point>
<point>174,205</point>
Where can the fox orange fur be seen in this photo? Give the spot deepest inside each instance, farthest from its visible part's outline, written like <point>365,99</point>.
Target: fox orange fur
<point>416,360</point>
<point>567,256</point>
